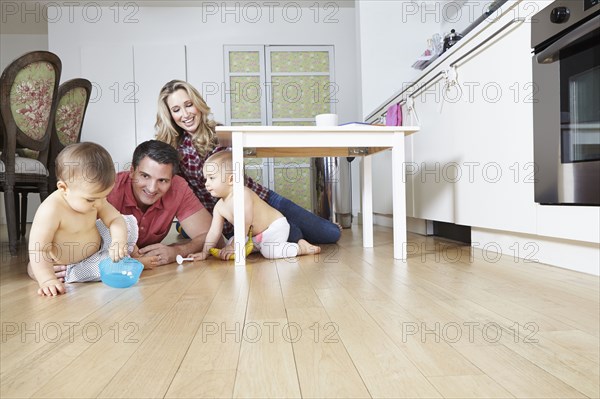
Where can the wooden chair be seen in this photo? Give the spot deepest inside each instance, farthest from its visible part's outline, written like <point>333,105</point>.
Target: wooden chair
<point>73,99</point>
<point>29,89</point>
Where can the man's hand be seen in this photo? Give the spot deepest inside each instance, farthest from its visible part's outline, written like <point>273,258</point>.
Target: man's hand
<point>164,254</point>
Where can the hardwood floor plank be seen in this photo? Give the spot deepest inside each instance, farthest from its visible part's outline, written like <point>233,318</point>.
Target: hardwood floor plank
<point>325,370</point>
<point>451,321</point>
<point>516,374</point>
<point>383,367</point>
<point>263,341</point>
<point>152,367</point>
<point>576,341</point>
<point>129,322</point>
<point>469,386</point>
<point>567,366</point>
<point>423,344</point>
<point>209,367</point>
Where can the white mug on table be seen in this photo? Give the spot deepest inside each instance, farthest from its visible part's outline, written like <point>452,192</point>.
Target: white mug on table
<point>326,120</point>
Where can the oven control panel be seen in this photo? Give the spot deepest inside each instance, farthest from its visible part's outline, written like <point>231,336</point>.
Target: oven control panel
<point>587,4</point>
<point>561,16</point>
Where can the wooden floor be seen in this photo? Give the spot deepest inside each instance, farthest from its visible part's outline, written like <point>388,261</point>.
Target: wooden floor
<point>350,323</point>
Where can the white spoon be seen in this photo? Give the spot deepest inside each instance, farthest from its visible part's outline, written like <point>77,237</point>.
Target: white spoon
<point>180,259</point>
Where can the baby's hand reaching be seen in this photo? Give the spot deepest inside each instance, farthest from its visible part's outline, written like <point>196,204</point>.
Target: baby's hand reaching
<point>226,252</point>
<point>118,250</point>
<point>149,262</point>
<point>199,256</point>
<point>51,287</point>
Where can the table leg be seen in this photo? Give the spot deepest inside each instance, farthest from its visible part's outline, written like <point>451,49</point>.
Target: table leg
<point>237,149</point>
<point>399,196</point>
<point>367,202</point>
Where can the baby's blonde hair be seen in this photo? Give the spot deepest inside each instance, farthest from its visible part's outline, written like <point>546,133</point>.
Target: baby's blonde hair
<point>220,161</point>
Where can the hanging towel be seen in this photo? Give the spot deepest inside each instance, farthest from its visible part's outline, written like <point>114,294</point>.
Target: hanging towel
<point>393,116</point>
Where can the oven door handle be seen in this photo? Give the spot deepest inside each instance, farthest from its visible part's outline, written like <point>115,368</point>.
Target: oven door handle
<point>550,54</point>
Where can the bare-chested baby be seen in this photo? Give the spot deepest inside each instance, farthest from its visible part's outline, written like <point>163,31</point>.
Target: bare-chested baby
<point>75,226</point>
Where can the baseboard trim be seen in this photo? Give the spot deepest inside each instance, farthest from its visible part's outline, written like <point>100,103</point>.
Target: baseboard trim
<point>573,255</point>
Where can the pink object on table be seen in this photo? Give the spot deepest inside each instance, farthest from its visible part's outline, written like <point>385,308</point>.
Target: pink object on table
<point>393,116</point>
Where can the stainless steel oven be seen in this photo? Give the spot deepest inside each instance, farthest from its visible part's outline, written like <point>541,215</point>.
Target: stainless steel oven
<point>566,110</point>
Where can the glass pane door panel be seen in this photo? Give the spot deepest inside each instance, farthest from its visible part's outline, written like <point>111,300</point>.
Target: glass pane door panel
<point>245,97</point>
<point>244,61</point>
<point>300,96</point>
<point>580,101</point>
<point>584,107</point>
<point>300,61</point>
<point>254,168</point>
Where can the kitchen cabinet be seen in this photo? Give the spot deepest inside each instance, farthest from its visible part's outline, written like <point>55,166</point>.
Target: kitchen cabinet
<point>492,124</point>
<point>472,161</point>
<point>434,150</point>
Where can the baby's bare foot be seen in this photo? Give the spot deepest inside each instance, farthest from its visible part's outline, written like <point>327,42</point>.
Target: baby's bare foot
<point>307,248</point>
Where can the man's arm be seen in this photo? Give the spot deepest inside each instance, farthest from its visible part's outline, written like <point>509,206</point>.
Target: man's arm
<point>196,226</point>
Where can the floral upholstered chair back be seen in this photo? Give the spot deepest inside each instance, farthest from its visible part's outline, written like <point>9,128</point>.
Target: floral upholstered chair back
<point>28,98</point>
<point>31,97</point>
<point>29,89</point>
<point>73,99</point>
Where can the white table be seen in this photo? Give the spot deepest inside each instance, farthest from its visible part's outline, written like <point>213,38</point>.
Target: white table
<point>318,141</point>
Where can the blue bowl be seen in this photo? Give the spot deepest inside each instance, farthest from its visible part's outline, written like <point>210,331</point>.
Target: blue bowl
<point>122,274</point>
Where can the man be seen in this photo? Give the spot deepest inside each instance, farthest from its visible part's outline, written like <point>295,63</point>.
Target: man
<point>153,193</point>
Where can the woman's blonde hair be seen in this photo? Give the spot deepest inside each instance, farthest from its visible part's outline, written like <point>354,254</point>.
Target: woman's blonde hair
<point>204,139</point>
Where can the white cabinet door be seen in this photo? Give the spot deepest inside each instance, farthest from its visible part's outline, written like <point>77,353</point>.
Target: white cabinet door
<point>494,136</point>
<point>154,66</point>
<point>434,149</point>
<point>110,116</point>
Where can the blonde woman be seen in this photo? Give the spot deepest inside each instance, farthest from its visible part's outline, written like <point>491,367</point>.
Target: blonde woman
<point>183,122</point>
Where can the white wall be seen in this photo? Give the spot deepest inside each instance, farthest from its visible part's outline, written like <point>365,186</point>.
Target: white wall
<point>13,46</point>
<point>392,35</point>
<point>204,30</point>
<point>458,15</point>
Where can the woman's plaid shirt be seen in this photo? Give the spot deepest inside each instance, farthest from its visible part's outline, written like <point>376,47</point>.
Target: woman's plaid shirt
<point>190,168</point>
